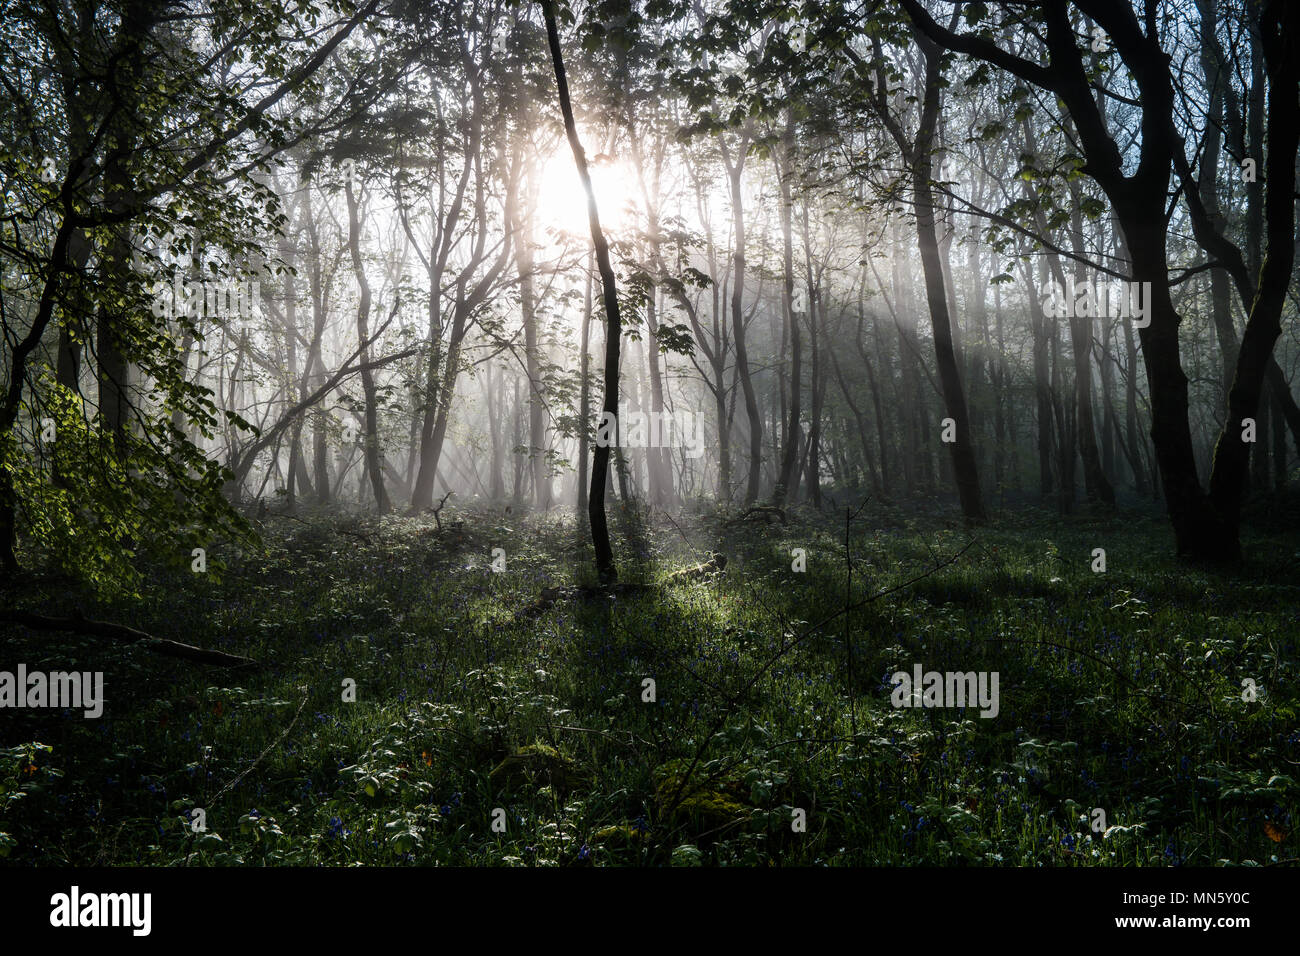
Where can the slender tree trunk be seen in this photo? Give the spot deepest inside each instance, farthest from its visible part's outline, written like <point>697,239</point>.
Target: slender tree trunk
<point>963,452</point>
<point>314,375</point>
<point>374,466</point>
<point>524,261</point>
<point>584,414</point>
<point>787,480</point>
<point>1096,485</point>
<point>114,372</point>
<point>734,172</point>
<point>614,327</point>
<point>817,386</point>
<point>492,393</point>
<point>1280,26</point>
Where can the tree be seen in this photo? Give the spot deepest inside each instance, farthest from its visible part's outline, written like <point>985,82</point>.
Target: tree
<point>1205,526</point>
<point>176,132</point>
<point>918,153</point>
<point>613,322</point>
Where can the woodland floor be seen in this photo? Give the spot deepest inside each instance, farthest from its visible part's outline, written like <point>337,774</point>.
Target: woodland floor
<point>477,690</point>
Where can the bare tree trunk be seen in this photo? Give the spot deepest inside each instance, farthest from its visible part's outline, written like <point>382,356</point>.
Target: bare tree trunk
<point>817,386</point>
<point>787,480</point>
<point>817,376</point>
<point>495,411</point>
<point>963,452</point>
<point>114,372</point>
<point>1096,484</point>
<point>314,375</point>
<point>614,327</point>
<point>374,467</point>
<point>524,261</point>
<point>584,402</point>
<point>734,171</point>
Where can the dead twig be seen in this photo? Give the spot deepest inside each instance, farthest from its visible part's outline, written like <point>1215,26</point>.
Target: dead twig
<point>438,509</point>
<point>79,624</point>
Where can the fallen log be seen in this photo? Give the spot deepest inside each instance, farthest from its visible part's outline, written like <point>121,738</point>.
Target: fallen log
<point>768,513</point>
<point>79,624</point>
<point>716,564</point>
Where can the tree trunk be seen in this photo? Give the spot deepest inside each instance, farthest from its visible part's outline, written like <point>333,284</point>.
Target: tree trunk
<point>786,479</point>
<point>1095,482</point>
<point>614,327</point>
<point>963,452</point>
<point>584,402</point>
<point>734,171</point>
<point>374,466</point>
<point>1280,27</point>
<point>539,465</point>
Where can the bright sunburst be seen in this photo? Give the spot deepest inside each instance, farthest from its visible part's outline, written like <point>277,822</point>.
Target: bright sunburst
<point>562,204</point>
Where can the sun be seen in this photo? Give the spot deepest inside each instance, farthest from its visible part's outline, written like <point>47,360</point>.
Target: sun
<point>562,203</point>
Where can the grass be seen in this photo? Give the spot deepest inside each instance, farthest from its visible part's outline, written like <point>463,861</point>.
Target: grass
<point>481,735</point>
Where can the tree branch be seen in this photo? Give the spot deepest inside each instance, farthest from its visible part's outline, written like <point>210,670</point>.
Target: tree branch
<point>78,624</point>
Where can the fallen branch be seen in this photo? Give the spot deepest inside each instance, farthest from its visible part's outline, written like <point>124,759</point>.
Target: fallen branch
<point>78,624</point>
<point>717,563</point>
<point>306,694</point>
<point>241,460</point>
<point>767,512</point>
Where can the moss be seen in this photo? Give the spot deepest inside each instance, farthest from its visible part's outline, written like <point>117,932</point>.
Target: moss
<point>713,803</point>
<point>621,835</point>
<point>538,763</point>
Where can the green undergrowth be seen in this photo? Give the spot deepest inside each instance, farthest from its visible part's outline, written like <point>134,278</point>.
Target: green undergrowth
<point>491,727</point>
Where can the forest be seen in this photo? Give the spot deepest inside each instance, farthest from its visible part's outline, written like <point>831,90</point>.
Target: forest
<point>586,433</point>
